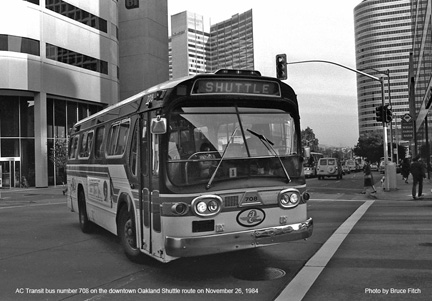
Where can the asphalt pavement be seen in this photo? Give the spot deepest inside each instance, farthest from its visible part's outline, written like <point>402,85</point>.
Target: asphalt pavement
<point>381,252</point>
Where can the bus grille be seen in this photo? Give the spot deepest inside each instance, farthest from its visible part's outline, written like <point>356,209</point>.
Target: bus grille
<point>231,201</point>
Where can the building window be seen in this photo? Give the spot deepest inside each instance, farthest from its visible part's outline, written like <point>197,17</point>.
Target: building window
<point>61,115</point>
<point>19,44</point>
<point>76,59</point>
<point>17,140</point>
<point>77,14</point>
<point>33,1</point>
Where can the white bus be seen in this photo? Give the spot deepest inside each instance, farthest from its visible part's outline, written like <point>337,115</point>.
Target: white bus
<point>200,165</point>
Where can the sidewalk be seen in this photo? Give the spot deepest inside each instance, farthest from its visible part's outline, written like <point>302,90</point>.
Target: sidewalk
<point>403,190</point>
<point>51,190</point>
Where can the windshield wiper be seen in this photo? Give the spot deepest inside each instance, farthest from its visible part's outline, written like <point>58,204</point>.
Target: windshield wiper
<point>269,145</point>
<point>220,162</point>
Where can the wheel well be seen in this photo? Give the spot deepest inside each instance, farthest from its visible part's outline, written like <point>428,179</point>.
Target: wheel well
<point>80,188</point>
<point>124,201</point>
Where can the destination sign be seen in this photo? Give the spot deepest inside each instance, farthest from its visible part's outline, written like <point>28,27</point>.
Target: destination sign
<point>236,86</point>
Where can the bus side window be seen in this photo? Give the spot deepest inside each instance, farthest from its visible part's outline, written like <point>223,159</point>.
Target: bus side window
<point>73,147</point>
<point>100,132</point>
<point>86,144</point>
<point>117,138</point>
<point>122,139</point>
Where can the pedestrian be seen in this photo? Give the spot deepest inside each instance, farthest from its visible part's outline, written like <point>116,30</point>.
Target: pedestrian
<point>368,179</point>
<point>405,169</point>
<point>418,173</point>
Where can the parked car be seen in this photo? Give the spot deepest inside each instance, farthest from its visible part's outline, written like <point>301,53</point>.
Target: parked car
<point>329,167</point>
<point>352,165</point>
<point>345,169</point>
<point>374,167</point>
<point>309,170</point>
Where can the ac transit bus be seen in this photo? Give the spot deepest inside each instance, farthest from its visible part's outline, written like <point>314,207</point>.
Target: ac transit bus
<point>200,165</point>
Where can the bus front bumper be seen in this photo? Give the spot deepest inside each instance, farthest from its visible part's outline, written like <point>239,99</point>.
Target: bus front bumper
<point>226,242</point>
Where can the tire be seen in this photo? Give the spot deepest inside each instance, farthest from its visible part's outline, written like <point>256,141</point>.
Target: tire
<point>85,223</point>
<point>127,233</point>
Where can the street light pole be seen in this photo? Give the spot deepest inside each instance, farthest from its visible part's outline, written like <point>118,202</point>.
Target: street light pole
<point>384,123</point>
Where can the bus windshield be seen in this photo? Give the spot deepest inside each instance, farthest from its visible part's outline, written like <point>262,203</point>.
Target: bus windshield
<point>230,142</point>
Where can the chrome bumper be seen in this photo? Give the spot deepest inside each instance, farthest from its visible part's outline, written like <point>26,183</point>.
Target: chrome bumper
<point>226,242</point>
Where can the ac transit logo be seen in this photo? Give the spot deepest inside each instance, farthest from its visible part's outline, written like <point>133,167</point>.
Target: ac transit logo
<point>251,217</point>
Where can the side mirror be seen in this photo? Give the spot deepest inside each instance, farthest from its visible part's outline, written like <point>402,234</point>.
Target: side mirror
<point>158,125</point>
<point>306,152</point>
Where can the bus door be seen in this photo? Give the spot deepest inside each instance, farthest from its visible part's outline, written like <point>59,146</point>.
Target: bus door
<point>151,199</point>
<point>142,134</point>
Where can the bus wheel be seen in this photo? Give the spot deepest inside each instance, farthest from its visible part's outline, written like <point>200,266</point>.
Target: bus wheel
<point>127,234</point>
<point>85,223</point>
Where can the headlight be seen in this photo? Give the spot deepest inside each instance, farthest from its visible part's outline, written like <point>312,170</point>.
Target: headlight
<point>213,206</point>
<point>289,198</point>
<point>207,205</point>
<point>201,207</point>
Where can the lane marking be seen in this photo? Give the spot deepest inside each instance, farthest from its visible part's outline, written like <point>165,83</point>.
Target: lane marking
<point>303,281</point>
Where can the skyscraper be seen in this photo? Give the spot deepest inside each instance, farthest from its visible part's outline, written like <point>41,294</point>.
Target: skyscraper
<point>143,45</point>
<point>231,43</point>
<point>197,47</point>
<point>383,37</point>
<point>188,44</point>
<point>420,77</point>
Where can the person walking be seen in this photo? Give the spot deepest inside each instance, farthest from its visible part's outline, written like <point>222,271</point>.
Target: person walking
<point>368,179</point>
<point>418,173</point>
<point>405,170</point>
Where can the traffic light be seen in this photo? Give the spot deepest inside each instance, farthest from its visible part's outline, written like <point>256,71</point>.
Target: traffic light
<point>281,66</point>
<point>388,113</point>
<point>379,113</point>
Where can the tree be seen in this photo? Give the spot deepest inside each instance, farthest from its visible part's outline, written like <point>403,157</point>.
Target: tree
<point>59,155</point>
<point>309,139</point>
<point>370,146</point>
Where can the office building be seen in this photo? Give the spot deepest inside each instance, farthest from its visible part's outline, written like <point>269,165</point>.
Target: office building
<point>420,78</point>
<point>231,43</point>
<point>196,46</point>
<point>188,49</point>
<point>143,45</point>
<point>383,37</point>
<point>60,63</point>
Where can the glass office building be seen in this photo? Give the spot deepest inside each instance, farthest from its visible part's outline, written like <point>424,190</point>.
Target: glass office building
<point>383,37</point>
<point>420,78</point>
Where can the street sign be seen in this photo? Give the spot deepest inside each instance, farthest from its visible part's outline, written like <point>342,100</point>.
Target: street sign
<point>407,117</point>
<point>407,127</point>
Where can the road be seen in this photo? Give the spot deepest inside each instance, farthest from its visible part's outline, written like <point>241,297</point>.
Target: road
<point>45,256</point>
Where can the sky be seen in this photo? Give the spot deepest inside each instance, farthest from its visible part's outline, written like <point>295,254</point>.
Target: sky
<point>304,30</point>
